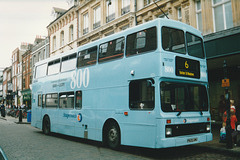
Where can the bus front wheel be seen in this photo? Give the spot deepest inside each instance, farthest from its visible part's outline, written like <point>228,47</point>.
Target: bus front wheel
<point>113,135</point>
<point>46,125</point>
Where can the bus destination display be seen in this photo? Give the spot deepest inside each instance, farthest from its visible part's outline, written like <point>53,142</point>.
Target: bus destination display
<point>187,67</point>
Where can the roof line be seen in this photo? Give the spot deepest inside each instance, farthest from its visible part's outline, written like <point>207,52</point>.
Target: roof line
<point>61,15</point>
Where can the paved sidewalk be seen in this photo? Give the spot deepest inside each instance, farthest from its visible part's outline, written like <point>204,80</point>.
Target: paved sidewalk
<point>215,146</point>
<point>15,120</point>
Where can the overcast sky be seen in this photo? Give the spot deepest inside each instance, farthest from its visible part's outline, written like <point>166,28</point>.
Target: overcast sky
<point>21,21</point>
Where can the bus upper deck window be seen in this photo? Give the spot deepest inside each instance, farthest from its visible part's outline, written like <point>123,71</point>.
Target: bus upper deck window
<point>173,40</point>
<point>142,41</point>
<point>111,50</point>
<point>195,46</point>
<point>41,70</point>
<point>68,63</point>
<point>87,57</point>
<point>54,67</point>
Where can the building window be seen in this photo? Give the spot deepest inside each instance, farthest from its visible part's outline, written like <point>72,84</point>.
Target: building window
<point>85,23</point>
<point>125,27</point>
<point>199,15</point>
<point>97,17</point>
<point>163,16</point>
<point>222,13</point>
<point>179,11</point>
<point>62,38</point>
<point>24,67</point>
<point>39,56</point>
<point>147,2</point>
<point>54,43</point>
<point>125,6</point>
<point>24,83</point>
<point>30,79</point>
<point>110,10</point>
<point>71,33</point>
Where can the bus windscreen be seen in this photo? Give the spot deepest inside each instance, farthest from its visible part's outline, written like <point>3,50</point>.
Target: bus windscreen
<point>183,97</point>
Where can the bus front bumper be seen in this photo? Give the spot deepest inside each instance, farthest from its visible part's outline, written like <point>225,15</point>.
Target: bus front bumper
<point>184,140</point>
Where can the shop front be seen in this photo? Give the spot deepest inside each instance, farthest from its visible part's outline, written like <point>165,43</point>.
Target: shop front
<point>223,46</point>
<point>27,94</point>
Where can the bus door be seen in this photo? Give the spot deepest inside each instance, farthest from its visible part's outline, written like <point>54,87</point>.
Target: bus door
<point>37,107</point>
<point>141,118</point>
<point>85,123</point>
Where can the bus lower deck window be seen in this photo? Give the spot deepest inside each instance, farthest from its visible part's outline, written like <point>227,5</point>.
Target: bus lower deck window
<point>141,94</point>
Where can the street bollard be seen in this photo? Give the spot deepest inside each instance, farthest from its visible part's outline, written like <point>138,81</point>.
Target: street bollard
<point>20,115</point>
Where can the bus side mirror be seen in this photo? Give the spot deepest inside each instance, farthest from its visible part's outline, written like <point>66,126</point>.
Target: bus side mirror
<point>150,83</point>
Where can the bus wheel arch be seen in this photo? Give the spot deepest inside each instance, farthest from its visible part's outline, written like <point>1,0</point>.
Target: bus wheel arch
<point>111,134</point>
<point>46,125</point>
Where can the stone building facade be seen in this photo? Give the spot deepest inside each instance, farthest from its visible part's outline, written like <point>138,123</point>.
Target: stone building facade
<point>218,20</point>
<point>26,77</point>
<point>40,50</point>
<point>17,72</point>
<point>7,86</point>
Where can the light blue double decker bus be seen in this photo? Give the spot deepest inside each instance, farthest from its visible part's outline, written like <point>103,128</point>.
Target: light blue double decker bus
<point>146,86</point>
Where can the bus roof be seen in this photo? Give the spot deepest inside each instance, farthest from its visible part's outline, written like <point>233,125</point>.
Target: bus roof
<point>156,22</point>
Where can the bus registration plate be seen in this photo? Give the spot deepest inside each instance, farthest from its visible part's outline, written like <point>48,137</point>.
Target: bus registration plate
<point>190,140</point>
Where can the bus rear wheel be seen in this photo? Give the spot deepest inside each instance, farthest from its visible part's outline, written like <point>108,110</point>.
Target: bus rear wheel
<point>46,125</point>
<point>113,135</point>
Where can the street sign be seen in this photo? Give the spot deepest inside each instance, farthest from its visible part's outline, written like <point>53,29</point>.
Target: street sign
<point>225,83</point>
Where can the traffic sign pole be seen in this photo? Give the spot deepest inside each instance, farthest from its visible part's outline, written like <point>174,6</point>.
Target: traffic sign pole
<point>226,84</point>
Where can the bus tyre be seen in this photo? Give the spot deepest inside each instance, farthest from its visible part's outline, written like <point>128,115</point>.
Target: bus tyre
<point>113,135</point>
<point>46,125</point>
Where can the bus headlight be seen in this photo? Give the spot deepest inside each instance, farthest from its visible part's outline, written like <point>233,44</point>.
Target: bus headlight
<point>168,132</point>
<point>208,127</point>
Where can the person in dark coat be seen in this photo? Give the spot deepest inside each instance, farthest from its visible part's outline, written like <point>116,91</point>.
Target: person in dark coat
<point>2,110</point>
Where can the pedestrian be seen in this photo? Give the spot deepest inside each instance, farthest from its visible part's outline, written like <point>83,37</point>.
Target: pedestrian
<point>222,106</point>
<point>2,110</point>
<point>233,121</point>
<point>233,126</point>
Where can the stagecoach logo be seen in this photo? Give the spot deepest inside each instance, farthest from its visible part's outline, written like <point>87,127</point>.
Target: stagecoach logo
<point>67,115</point>
<point>79,117</point>
<point>185,121</point>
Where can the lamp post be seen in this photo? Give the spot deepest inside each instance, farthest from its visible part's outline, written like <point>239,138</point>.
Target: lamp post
<point>226,84</point>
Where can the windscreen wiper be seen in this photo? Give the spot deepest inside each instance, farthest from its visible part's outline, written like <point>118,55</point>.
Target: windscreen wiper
<point>179,113</point>
<point>201,113</point>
